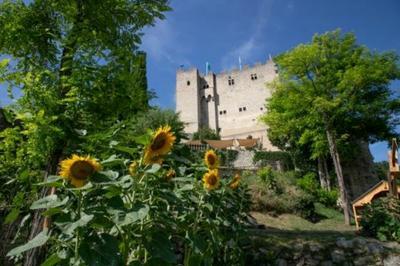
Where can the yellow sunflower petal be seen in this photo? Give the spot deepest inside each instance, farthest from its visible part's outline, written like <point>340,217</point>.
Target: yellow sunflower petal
<point>170,174</point>
<point>211,180</point>
<point>211,159</point>
<point>78,169</point>
<point>133,168</point>
<point>161,143</point>
<point>235,182</point>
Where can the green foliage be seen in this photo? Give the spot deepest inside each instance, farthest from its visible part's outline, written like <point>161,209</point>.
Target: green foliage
<point>155,117</point>
<point>381,219</point>
<point>77,67</point>
<point>310,185</point>
<point>329,82</point>
<point>227,157</point>
<point>268,177</point>
<point>271,157</point>
<point>121,219</point>
<point>381,169</point>
<point>206,133</point>
<point>279,194</point>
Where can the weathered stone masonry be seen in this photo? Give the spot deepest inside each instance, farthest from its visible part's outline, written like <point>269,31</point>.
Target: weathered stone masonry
<point>229,102</point>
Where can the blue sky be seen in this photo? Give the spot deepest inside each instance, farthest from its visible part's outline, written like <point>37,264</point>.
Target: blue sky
<point>219,31</point>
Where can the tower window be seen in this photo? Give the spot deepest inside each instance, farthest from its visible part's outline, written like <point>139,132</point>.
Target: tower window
<point>207,86</point>
<point>188,82</point>
<point>224,111</point>
<point>244,108</point>
<point>240,109</point>
<point>253,76</point>
<point>231,81</point>
<point>261,108</point>
<point>220,112</point>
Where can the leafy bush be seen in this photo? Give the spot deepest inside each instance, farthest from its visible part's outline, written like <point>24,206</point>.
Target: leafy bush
<point>271,157</point>
<point>381,219</point>
<point>268,177</point>
<point>227,157</point>
<point>206,133</point>
<point>310,185</point>
<point>277,193</point>
<point>132,212</point>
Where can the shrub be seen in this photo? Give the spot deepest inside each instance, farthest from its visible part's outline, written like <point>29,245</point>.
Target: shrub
<point>275,192</point>
<point>227,157</point>
<point>381,219</point>
<point>310,185</point>
<point>271,157</point>
<point>268,177</point>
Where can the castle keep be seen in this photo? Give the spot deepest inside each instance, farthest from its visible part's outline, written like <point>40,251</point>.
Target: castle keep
<point>229,102</point>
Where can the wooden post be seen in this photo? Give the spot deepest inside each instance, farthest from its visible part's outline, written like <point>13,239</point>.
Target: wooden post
<point>393,170</point>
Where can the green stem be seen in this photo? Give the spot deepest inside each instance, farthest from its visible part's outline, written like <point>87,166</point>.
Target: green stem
<point>77,232</point>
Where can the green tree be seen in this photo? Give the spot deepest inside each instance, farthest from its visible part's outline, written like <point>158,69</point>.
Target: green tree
<point>329,93</point>
<point>206,133</point>
<point>77,65</point>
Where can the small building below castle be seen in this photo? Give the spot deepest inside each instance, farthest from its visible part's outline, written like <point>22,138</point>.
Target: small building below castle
<point>230,103</point>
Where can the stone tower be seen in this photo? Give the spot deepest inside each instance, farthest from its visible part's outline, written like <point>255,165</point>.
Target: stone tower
<point>229,102</point>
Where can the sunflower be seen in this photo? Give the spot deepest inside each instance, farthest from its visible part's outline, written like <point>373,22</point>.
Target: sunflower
<point>235,182</point>
<point>78,169</point>
<point>211,180</point>
<point>170,174</point>
<point>161,143</point>
<point>133,168</point>
<point>148,159</point>
<point>211,159</point>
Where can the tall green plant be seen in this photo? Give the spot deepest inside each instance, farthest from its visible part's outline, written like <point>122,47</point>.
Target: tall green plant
<point>329,92</point>
<point>77,66</point>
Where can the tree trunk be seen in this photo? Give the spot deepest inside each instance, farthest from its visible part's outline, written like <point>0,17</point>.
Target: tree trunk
<point>36,256</point>
<point>323,173</point>
<point>338,169</point>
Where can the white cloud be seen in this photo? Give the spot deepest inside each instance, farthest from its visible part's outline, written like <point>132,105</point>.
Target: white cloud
<point>249,49</point>
<point>161,42</point>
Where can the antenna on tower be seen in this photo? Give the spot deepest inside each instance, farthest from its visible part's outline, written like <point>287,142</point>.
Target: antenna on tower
<point>240,63</point>
<point>270,57</point>
<point>208,68</point>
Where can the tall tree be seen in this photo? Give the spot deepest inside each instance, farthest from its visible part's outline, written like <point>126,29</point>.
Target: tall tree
<point>331,92</point>
<point>77,66</point>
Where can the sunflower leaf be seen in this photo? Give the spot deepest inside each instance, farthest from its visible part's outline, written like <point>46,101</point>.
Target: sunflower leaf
<point>112,160</point>
<point>134,216</point>
<point>54,259</point>
<point>37,241</point>
<point>47,202</point>
<point>154,168</point>
<point>84,220</point>
<point>51,181</point>
<point>144,139</point>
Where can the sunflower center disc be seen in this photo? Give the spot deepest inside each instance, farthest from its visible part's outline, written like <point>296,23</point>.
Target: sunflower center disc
<point>81,170</point>
<point>211,159</point>
<point>212,180</point>
<point>159,141</point>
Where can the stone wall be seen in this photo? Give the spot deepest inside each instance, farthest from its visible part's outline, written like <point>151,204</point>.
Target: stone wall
<point>232,108</point>
<point>357,251</point>
<point>359,172</point>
